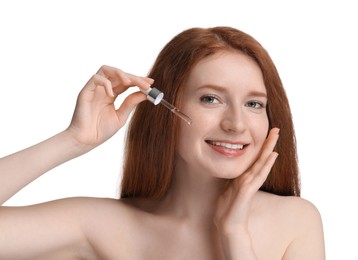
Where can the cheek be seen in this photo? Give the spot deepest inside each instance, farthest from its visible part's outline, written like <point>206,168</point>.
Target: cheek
<point>189,134</point>
<point>191,137</point>
<point>258,127</point>
<point>262,129</point>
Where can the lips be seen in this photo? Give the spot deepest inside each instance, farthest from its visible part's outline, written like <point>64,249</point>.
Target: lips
<point>228,149</point>
<point>227,145</point>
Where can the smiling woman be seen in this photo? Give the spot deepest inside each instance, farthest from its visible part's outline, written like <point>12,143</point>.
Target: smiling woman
<point>224,187</point>
<point>228,121</point>
<point>171,73</point>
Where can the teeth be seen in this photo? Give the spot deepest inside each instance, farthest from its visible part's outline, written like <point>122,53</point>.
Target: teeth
<point>227,145</point>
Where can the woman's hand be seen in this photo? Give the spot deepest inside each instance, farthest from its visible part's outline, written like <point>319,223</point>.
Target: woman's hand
<point>234,205</point>
<point>95,118</point>
<point>94,121</point>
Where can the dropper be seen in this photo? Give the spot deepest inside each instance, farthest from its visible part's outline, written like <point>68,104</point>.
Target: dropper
<point>157,97</point>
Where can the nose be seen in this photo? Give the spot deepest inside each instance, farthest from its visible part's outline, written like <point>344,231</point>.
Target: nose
<point>233,120</point>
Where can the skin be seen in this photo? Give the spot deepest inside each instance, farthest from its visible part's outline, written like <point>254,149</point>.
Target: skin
<point>213,209</point>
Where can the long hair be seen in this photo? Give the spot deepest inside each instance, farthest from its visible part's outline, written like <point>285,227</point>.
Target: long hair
<point>153,131</point>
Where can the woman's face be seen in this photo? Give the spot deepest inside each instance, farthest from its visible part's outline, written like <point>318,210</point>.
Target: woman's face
<point>225,97</point>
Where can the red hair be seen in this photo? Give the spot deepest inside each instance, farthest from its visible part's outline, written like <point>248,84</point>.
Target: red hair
<point>152,133</point>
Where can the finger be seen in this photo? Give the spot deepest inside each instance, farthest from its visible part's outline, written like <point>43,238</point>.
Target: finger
<point>266,149</point>
<point>102,81</point>
<point>98,80</point>
<point>261,177</point>
<point>116,76</point>
<point>129,103</point>
<point>122,80</point>
<point>148,80</point>
<point>142,82</point>
<point>271,141</point>
<point>251,182</point>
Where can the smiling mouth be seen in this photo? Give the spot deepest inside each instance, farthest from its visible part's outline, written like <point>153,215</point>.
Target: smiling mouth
<point>226,145</point>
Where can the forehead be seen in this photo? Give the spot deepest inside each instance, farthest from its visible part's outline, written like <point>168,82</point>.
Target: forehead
<point>227,69</point>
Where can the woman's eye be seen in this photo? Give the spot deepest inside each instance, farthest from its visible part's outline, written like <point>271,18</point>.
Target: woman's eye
<point>255,104</point>
<point>209,99</point>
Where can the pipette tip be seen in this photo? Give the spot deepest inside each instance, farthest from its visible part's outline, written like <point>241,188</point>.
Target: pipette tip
<point>176,111</point>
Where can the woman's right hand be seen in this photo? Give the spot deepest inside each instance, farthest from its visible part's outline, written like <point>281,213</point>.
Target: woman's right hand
<point>94,121</point>
<point>95,117</point>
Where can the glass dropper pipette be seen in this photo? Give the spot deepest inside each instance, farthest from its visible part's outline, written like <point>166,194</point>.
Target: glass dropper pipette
<point>156,97</point>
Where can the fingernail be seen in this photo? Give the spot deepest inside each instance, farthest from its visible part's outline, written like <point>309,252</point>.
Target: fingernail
<point>276,155</point>
<point>146,84</point>
<point>275,130</point>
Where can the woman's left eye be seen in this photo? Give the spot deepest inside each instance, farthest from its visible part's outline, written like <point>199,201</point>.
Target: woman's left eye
<point>255,104</point>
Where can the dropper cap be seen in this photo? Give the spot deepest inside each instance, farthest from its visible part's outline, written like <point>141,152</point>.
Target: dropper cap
<point>154,95</point>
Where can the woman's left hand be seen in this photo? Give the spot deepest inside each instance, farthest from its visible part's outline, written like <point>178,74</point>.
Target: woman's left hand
<point>234,205</point>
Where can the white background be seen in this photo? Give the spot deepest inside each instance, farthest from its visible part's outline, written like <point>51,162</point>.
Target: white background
<point>49,49</point>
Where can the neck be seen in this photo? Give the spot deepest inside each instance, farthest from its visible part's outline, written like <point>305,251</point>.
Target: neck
<point>193,195</point>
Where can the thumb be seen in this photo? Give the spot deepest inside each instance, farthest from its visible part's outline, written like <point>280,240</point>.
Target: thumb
<point>128,105</point>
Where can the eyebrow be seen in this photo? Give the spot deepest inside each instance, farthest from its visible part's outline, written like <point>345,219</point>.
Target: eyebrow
<point>253,93</point>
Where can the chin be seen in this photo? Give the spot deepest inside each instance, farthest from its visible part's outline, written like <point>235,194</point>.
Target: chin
<point>228,175</point>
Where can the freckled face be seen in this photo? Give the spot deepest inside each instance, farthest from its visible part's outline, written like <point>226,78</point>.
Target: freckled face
<point>225,97</point>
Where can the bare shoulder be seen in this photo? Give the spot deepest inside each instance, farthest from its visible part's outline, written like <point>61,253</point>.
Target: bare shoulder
<point>111,226</point>
<point>287,206</point>
<point>294,213</point>
<point>291,206</point>
<point>298,221</point>
<point>103,214</point>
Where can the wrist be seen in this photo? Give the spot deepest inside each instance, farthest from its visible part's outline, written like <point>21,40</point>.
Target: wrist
<point>238,245</point>
<point>76,144</point>
<point>232,228</point>
<point>75,148</point>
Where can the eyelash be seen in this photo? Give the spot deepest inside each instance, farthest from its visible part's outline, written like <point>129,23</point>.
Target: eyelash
<point>255,103</point>
<point>205,99</point>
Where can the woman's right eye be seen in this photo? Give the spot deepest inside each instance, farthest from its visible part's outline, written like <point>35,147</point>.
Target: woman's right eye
<point>209,99</point>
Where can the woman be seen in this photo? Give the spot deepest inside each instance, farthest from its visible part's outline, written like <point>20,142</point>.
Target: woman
<point>213,190</point>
